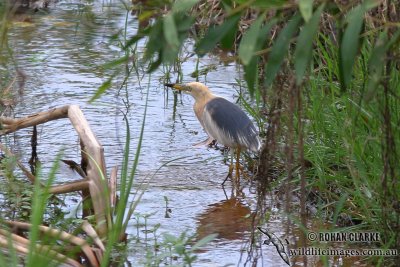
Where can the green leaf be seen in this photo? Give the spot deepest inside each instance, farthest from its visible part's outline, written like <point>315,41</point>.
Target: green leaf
<point>368,4</point>
<point>106,85</point>
<point>266,4</point>
<point>215,35</point>
<point>227,4</point>
<point>183,5</point>
<point>376,64</point>
<point>168,238</point>
<point>339,206</point>
<point>203,241</point>
<point>303,52</point>
<point>154,65</point>
<point>350,43</point>
<point>251,69</point>
<point>116,62</point>
<point>179,248</point>
<point>183,25</point>
<point>155,42</point>
<point>279,50</point>
<point>228,40</point>
<point>251,74</point>
<point>305,7</point>
<point>134,40</point>
<point>264,33</point>
<point>170,31</point>
<point>248,44</point>
<point>394,39</point>
<point>170,50</point>
<point>377,61</point>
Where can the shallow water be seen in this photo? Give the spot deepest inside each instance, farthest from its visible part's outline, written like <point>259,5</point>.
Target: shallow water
<point>61,53</point>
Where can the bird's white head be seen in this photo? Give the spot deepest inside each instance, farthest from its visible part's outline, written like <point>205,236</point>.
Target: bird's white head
<point>198,90</point>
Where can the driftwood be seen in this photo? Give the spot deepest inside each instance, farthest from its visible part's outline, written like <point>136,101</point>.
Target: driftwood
<point>93,186</point>
<point>112,184</point>
<point>21,244</point>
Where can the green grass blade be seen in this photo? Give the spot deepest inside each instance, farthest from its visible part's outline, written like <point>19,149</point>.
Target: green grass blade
<point>40,197</point>
<point>115,231</point>
<point>116,62</point>
<point>183,5</point>
<point>127,182</point>
<point>265,4</point>
<point>105,85</point>
<point>339,206</point>
<point>124,171</point>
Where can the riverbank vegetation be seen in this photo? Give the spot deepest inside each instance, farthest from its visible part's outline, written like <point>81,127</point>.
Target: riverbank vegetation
<point>325,79</point>
<point>320,78</point>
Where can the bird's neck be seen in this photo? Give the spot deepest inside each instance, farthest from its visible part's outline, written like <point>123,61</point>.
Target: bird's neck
<point>200,103</point>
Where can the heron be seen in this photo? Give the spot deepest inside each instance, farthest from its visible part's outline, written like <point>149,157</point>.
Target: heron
<point>223,121</point>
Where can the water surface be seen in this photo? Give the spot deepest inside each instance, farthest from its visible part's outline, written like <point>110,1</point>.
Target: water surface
<point>62,52</point>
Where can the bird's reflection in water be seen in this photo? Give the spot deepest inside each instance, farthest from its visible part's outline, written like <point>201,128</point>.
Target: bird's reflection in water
<point>230,219</point>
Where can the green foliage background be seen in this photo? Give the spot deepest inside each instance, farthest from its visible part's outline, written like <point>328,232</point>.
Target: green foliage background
<point>330,70</point>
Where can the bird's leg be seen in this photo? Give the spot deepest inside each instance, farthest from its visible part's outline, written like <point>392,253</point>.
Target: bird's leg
<point>238,167</point>
<point>230,170</point>
<point>245,175</point>
<point>229,174</point>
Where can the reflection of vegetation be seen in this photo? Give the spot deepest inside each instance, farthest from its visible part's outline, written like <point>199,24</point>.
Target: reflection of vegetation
<point>18,195</point>
<point>203,71</point>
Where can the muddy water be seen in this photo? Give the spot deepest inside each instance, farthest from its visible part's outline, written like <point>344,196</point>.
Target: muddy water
<point>61,54</point>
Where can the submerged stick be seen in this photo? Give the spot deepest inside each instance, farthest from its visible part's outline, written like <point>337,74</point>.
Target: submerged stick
<point>21,245</point>
<point>10,125</point>
<point>61,235</point>
<point>112,184</point>
<point>92,156</point>
<point>69,187</point>
<point>34,157</point>
<point>89,230</point>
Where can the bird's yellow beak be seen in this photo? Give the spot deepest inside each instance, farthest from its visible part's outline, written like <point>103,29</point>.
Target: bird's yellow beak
<point>179,87</point>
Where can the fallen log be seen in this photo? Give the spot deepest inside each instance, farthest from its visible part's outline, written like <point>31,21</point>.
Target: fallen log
<point>94,186</point>
<point>92,256</point>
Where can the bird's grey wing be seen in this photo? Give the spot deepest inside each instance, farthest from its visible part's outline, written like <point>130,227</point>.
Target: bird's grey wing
<point>229,125</point>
